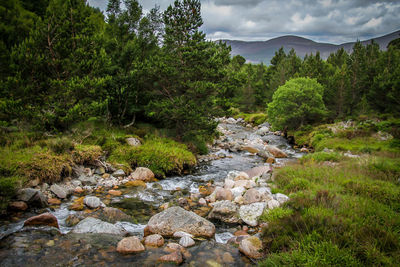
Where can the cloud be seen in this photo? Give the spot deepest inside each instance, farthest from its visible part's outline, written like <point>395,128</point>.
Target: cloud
<point>335,21</point>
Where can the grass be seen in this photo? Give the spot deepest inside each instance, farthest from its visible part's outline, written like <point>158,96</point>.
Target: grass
<point>347,214</point>
<point>254,118</point>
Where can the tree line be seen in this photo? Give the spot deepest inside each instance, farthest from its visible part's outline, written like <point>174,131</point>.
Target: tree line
<point>63,61</point>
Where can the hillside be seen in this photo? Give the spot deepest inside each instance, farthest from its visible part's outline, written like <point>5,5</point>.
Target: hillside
<point>263,51</point>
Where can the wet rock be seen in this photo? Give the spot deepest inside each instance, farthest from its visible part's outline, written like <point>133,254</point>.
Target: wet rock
<point>119,173</point>
<point>96,226</point>
<point>54,201</point>
<point>155,240</point>
<point>143,174</point>
<point>92,202</point>
<point>115,192</point>
<point>223,194</point>
<point>133,141</point>
<point>77,204</point>
<point>227,258</point>
<point>135,183</point>
<point>250,213</point>
<point>129,245</point>
<point>228,184</point>
<point>73,220</point>
<point>100,171</point>
<point>175,219</point>
<point>225,211</point>
<point>251,247</point>
<point>87,180</point>
<point>238,191</point>
<point>281,198</point>
<point>232,174</point>
<point>58,191</point>
<point>304,150</point>
<point>231,121</point>
<point>262,131</point>
<point>111,215</point>
<point>241,176</point>
<point>174,257</point>
<point>258,171</point>
<point>270,160</point>
<point>180,234</point>
<point>245,183</point>
<point>45,219</point>
<point>272,204</point>
<point>186,241</point>
<point>276,152</point>
<point>202,202</point>
<point>18,206</point>
<point>250,149</point>
<point>32,197</point>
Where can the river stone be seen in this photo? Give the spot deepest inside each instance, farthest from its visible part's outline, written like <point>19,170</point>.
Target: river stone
<point>186,241</point>
<point>143,174</point>
<point>241,176</point>
<point>281,198</point>
<point>96,226</point>
<point>238,191</point>
<point>250,149</point>
<point>225,211</point>
<point>229,183</point>
<point>174,219</point>
<point>133,141</point>
<point>231,121</point>
<point>258,171</point>
<point>251,247</point>
<point>100,171</point>
<point>111,215</point>
<point>272,204</point>
<point>232,174</point>
<point>87,180</point>
<point>32,196</point>
<point>180,234</point>
<point>262,131</point>
<point>92,202</point>
<point>155,240</point>
<point>119,173</point>
<point>250,213</point>
<point>58,191</point>
<point>202,202</point>
<point>223,194</point>
<point>45,219</point>
<point>245,183</point>
<point>18,206</point>
<point>174,257</point>
<point>130,244</point>
<point>276,152</point>
<point>252,195</point>
<point>239,200</point>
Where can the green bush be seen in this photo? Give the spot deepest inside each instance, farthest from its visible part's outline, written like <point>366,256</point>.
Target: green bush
<point>60,145</point>
<point>322,156</point>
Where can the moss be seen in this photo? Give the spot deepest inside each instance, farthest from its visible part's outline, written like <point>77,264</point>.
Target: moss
<point>86,154</point>
<point>275,214</point>
<point>322,156</point>
<point>254,118</point>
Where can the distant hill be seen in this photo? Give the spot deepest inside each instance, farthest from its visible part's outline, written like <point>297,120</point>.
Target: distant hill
<point>263,51</point>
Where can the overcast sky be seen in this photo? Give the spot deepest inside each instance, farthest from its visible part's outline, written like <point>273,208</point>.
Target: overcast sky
<point>333,21</point>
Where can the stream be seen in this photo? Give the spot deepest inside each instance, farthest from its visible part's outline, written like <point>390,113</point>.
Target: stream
<point>48,247</point>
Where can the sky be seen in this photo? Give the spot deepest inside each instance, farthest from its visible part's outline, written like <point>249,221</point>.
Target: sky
<point>331,21</point>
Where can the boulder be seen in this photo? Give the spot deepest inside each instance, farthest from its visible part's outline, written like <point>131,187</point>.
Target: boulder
<point>272,204</point>
<point>59,191</point>
<point>111,215</point>
<point>223,194</point>
<point>225,211</point>
<point>180,234</point>
<point>143,174</point>
<point>93,202</point>
<point>238,191</point>
<point>87,180</point>
<point>245,183</point>
<point>262,131</point>
<point>18,206</point>
<point>258,171</point>
<point>96,226</point>
<point>231,121</point>
<point>239,200</point>
<point>252,195</point>
<point>228,184</point>
<point>281,198</point>
<point>32,197</point>
<point>130,244</point>
<point>241,176</point>
<point>133,141</point>
<point>250,149</point>
<point>251,247</point>
<point>45,219</point>
<point>119,173</point>
<point>174,257</point>
<point>174,219</point>
<point>186,241</point>
<point>155,240</point>
<point>276,152</point>
<point>270,160</point>
<point>250,213</point>
<point>232,174</point>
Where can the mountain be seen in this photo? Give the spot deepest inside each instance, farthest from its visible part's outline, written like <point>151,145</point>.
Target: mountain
<point>263,51</point>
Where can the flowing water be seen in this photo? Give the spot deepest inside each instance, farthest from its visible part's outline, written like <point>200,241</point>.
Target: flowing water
<point>47,247</point>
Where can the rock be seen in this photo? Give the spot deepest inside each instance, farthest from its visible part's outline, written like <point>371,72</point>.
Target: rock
<point>251,196</point>
<point>239,200</point>
<point>58,191</point>
<point>164,206</point>
<point>228,184</point>
<point>143,174</point>
<point>34,182</point>
<point>154,240</point>
<point>18,206</point>
<point>111,215</point>
<point>250,213</point>
<point>180,234</point>
<point>119,173</point>
<point>78,190</point>
<point>264,154</point>
<point>281,198</point>
<point>227,258</point>
<point>232,174</point>
<point>130,244</point>
<point>262,131</point>
<point>245,183</point>
<point>100,171</point>
<point>304,150</point>
<point>174,219</point>
<point>223,194</point>
<point>87,180</point>
<point>54,201</point>
<point>202,202</point>
<point>106,176</point>
<point>270,160</point>
<point>231,121</point>
<point>45,219</point>
<point>272,204</point>
<point>258,171</point>
<point>276,152</point>
<point>174,257</point>
<point>251,247</point>
<point>238,191</point>
<point>72,220</point>
<point>250,149</point>
<point>77,204</point>
<point>92,202</point>
<point>135,183</point>
<point>115,192</point>
<point>133,141</point>
<point>32,197</point>
<point>96,226</point>
<point>76,183</point>
<point>241,176</point>
<point>186,241</point>
<point>225,211</point>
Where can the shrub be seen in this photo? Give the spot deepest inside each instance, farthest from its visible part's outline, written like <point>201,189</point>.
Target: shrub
<point>86,154</point>
<point>60,145</point>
